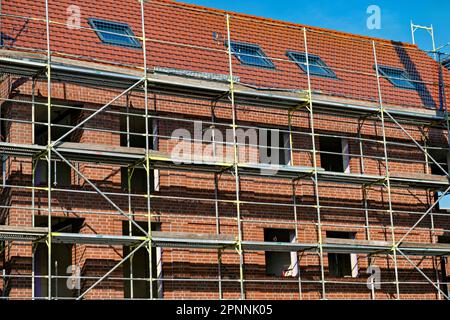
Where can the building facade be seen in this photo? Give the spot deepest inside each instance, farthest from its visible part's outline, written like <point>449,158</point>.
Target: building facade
<point>160,150</point>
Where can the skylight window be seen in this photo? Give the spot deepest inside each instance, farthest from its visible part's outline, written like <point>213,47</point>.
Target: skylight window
<point>398,77</point>
<point>251,54</point>
<point>316,65</point>
<point>115,33</point>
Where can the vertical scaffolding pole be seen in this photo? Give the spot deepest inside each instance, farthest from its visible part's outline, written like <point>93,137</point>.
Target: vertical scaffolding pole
<point>216,201</point>
<point>4,282</point>
<point>33,245</point>
<point>434,240</point>
<point>294,198</point>
<point>291,139</point>
<point>130,171</point>
<point>49,147</point>
<point>443,107</point>
<point>235,162</point>
<point>147,152</point>
<point>368,236</point>
<point>387,175</point>
<point>447,122</point>
<point>315,165</point>
<point>219,251</point>
<point>365,197</point>
<point>33,184</point>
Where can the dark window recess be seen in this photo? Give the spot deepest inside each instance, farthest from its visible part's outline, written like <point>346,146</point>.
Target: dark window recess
<point>116,33</point>
<point>138,181</point>
<point>139,264</point>
<point>61,259</point>
<point>441,157</point>
<point>274,144</point>
<point>331,156</point>
<point>4,126</point>
<point>340,264</point>
<point>136,130</point>
<point>60,175</point>
<point>317,66</point>
<point>278,263</point>
<point>62,120</point>
<point>251,54</point>
<point>135,139</point>
<point>398,77</point>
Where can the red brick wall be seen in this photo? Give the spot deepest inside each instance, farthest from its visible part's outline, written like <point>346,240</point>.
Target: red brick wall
<point>183,215</point>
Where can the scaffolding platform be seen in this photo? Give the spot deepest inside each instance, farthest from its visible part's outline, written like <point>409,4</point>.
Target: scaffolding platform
<point>96,239</point>
<point>220,241</point>
<point>158,239</point>
<point>367,247</point>
<point>192,240</point>
<point>90,73</point>
<point>384,247</point>
<point>22,234</point>
<point>278,246</point>
<point>105,154</point>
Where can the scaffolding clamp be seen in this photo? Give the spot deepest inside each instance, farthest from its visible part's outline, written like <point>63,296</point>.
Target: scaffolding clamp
<point>40,154</point>
<point>238,247</point>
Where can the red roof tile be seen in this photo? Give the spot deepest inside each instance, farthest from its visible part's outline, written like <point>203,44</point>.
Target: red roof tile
<point>181,36</point>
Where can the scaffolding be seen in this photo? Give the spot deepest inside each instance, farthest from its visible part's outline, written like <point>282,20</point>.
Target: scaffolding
<point>225,96</point>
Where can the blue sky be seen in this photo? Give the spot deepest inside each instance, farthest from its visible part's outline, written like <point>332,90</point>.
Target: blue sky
<point>351,16</point>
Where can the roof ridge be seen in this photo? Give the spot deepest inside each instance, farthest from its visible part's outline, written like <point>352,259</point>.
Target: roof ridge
<point>286,23</point>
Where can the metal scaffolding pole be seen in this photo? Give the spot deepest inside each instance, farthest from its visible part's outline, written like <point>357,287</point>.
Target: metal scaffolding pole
<point>33,193</point>
<point>130,171</point>
<point>219,251</point>
<point>235,161</point>
<point>294,200</point>
<point>387,173</point>
<point>433,237</point>
<point>48,156</point>
<point>216,198</point>
<point>294,195</point>
<point>315,166</point>
<point>364,194</point>
<point>147,152</point>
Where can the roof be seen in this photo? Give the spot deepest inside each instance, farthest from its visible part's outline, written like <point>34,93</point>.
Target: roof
<point>193,38</point>
<point>284,23</point>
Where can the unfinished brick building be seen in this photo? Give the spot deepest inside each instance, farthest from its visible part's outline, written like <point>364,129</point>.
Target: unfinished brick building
<point>159,150</point>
